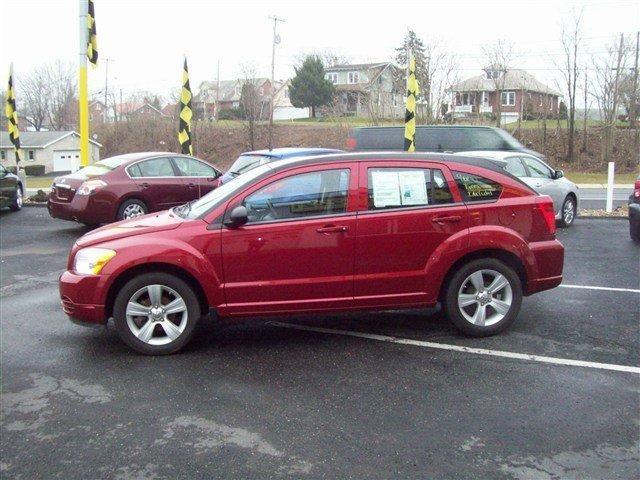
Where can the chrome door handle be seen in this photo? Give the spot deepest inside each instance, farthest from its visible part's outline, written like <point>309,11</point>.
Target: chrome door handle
<point>145,185</point>
<point>332,229</point>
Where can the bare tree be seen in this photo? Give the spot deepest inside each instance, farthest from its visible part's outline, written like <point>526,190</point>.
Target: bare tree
<point>35,98</point>
<point>61,90</point>
<point>250,102</point>
<point>498,56</point>
<point>571,39</point>
<point>606,88</point>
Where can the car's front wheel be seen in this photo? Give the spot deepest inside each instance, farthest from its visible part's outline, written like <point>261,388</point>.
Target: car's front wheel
<point>156,313</point>
<point>568,212</point>
<point>18,199</point>
<point>483,297</point>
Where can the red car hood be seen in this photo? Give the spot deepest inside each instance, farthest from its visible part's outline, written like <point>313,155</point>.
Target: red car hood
<point>154,222</point>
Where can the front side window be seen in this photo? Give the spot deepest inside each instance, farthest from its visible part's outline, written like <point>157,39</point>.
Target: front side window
<point>475,188</point>
<point>536,168</point>
<point>189,167</point>
<point>508,99</point>
<point>299,196</point>
<point>515,167</point>
<point>407,187</point>
<point>155,167</point>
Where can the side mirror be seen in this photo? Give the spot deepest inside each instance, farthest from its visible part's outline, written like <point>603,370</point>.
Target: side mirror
<point>558,174</point>
<point>237,217</point>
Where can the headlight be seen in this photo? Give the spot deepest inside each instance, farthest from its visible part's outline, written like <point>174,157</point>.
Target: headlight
<point>90,261</point>
<point>90,186</point>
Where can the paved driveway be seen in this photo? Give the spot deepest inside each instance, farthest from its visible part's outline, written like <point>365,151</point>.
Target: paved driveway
<point>351,396</point>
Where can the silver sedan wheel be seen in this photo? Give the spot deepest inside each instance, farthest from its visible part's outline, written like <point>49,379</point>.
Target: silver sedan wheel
<point>568,211</point>
<point>485,297</point>
<point>156,314</point>
<point>133,210</point>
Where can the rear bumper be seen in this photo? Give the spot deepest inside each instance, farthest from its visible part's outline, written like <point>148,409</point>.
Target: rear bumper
<point>549,261</point>
<point>79,296</point>
<point>82,208</point>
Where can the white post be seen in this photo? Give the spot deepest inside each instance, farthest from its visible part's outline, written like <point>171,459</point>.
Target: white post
<point>609,207</point>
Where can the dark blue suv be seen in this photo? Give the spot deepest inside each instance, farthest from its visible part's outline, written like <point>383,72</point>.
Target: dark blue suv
<point>250,160</point>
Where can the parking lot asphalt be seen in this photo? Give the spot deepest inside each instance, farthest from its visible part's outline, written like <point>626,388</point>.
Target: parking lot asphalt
<point>258,400</point>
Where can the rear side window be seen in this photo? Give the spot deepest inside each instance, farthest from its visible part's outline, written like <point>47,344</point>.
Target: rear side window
<point>475,188</point>
<point>156,167</point>
<point>407,187</point>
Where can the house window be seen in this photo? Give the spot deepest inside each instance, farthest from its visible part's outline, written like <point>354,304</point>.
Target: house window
<point>31,155</point>
<point>508,99</point>
<point>467,99</point>
<point>353,77</point>
<point>3,154</point>
<point>493,74</point>
<point>332,77</point>
<point>485,99</point>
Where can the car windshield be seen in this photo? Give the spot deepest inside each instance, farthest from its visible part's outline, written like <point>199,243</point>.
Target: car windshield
<point>215,197</point>
<point>244,163</point>
<point>103,166</point>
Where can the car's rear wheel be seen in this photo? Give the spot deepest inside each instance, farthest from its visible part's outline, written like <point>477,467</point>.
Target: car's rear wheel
<point>18,199</point>
<point>634,230</point>
<point>483,297</point>
<point>132,208</point>
<point>568,212</point>
<point>156,313</point>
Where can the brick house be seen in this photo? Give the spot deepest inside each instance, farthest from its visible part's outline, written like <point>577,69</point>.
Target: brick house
<point>368,89</point>
<point>520,95</point>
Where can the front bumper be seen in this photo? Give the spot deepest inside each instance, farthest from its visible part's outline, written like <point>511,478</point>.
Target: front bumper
<point>549,262</point>
<point>81,296</point>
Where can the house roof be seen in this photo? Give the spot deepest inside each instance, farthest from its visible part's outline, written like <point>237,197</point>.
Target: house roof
<point>355,66</point>
<point>39,139</point>
<point>514,79</point>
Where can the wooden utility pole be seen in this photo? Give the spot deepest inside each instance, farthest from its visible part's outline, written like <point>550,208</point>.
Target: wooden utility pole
<point>276,40</point>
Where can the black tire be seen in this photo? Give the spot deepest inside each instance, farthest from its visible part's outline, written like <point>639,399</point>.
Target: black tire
<point>139,282</point>
<point>18,198</point>
<point>132,202</point>
<point>450,301</point>
<point>562,223</point>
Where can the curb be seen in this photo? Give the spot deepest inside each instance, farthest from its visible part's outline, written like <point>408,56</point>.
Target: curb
<point>34,205</point>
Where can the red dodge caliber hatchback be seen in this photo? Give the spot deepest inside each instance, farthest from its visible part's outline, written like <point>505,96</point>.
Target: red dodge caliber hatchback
<point>129,185</point>
<point>328,233</point>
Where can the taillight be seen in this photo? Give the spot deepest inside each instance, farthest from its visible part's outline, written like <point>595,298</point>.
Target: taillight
<point>351,143</point>
<point>90,186</point>
<point>545,206</point>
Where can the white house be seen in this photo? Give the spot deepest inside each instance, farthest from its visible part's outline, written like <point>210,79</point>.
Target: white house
<point>57,151</point>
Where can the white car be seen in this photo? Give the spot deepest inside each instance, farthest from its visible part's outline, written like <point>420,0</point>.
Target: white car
<point>539,176</point>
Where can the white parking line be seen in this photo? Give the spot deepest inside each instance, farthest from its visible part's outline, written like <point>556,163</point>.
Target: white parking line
<point>460,348</point>
<point>610,289</point>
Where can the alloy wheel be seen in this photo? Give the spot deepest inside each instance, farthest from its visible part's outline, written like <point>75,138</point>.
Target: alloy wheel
<point>568,211</point>
<point>133,210</point>
<point>156,314</point>
<point>485,297</point>
<point>19,198</point>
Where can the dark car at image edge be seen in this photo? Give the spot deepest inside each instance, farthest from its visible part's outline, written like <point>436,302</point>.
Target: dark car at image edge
<point>634,212</point>
<point>11,190</point>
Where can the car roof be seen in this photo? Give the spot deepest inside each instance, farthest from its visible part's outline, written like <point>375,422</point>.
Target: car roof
<point>288,152</point>
<point>386,156</point>
<point>493,154</point>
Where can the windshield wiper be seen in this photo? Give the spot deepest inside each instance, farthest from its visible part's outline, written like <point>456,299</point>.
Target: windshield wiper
<point>183,210</point>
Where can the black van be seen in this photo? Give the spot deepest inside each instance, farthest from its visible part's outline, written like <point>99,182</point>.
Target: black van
<point>436,138</point>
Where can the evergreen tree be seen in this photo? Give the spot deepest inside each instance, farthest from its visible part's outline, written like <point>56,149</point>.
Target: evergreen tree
<point>309,88</point>
<point>413,44</point>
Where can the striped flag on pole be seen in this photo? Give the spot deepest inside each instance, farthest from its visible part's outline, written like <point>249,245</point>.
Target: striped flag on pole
<point>92,38</point>
<point>413,89</point>
<point>12,116</point>
<point>184,130</point>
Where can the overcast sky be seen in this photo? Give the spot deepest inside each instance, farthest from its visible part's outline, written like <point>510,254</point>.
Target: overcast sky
<point>146,39</point>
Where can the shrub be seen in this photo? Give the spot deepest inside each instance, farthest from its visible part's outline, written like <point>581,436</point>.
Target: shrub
<point>232,114</point>
<point>34,170</point>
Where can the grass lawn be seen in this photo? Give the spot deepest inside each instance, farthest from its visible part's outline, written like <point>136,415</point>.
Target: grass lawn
<point>39,182</point>
<point>581,177</point>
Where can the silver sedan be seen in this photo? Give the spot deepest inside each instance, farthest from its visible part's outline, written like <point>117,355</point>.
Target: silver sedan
<point>541,177</point>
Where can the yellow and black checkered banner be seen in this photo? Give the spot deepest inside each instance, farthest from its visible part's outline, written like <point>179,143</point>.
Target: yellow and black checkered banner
<point>184,130</point>
<point>413,89</point>
<point>92,38</point>
<point>12,117</point>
